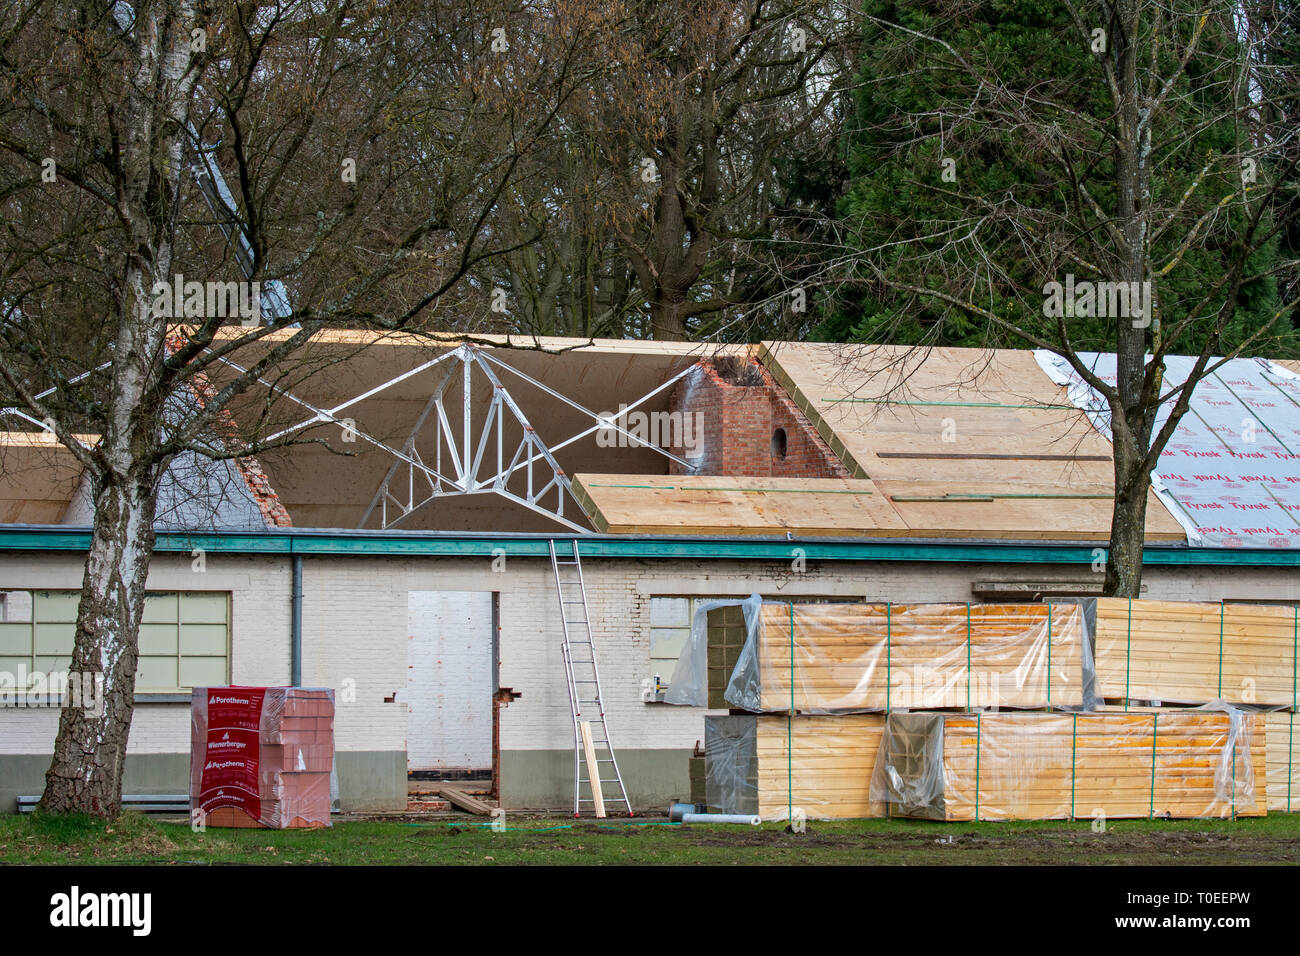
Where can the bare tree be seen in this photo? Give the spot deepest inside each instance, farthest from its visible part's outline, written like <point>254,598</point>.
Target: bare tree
<point>323,163</point>
<point>1146,144</point>
<point>664,168</point>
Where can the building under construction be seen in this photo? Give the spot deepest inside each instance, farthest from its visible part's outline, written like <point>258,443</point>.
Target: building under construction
<point>462,517</point>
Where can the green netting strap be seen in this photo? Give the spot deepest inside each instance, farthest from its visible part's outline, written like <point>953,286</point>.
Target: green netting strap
<point>977,768</point>
<point>889,633</point>
<point>1155,731</point>
<point>1220,693</point>
<point>968,655</point>
<point>1290,753</point>
<point>1074,744</point>
<point>789,732</point>
<point>1295,641</point>
<point>1232,781</point>
<point>1128,652</point>
<point>1049,656</point>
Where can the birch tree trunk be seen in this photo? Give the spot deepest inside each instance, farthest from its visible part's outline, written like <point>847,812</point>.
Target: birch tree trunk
<point>127,465</point>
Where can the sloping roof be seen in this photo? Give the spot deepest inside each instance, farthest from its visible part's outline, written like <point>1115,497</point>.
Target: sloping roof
<point>1230,473</point>
<point>38,477</point>
<point>941,443</point>
<point>961,442</point>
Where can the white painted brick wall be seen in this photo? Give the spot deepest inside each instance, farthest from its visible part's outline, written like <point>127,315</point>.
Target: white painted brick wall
<point>260,622</point>
<point>355,629</point>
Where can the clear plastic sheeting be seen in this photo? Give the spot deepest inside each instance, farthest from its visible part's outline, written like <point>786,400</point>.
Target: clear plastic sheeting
<point>1026,766</point>
<point>730,764</point>
<point>909,768</point>
<point>792,768</point>
<point>689,685</point>
<point>836,658</point>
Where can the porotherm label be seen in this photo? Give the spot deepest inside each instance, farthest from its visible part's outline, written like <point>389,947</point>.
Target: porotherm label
<point>233,751</point>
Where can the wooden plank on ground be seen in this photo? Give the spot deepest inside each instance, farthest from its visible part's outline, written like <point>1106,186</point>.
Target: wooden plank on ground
<point>593,768</point>
<point>461,800</point>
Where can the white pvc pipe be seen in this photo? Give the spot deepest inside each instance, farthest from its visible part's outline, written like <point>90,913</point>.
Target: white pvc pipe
<point>751,819</point>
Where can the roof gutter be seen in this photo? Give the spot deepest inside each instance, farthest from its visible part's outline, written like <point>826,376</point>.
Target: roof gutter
<point>290,541</point>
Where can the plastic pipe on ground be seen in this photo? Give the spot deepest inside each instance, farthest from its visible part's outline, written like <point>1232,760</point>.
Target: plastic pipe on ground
<point>751,819</point>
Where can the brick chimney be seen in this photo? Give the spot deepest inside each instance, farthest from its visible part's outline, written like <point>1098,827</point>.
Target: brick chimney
<point>742,423</point>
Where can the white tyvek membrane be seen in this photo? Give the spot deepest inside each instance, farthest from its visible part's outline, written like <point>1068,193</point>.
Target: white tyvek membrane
<point>1230,474</point>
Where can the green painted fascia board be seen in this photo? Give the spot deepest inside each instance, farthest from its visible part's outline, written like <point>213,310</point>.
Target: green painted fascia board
<point>33,538</point>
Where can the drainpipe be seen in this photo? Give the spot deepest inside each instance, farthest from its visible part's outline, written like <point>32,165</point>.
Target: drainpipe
<point>295,653</point>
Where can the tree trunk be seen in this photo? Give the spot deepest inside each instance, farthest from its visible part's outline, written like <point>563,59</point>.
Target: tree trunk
<point>90,751</point>
<point>1131,420</point>
<point>666,320</point>
<point>1127,533</point>
<point>85,774</point>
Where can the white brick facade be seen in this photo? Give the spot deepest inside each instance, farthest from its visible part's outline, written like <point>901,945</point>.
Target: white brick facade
<point>355,630</point>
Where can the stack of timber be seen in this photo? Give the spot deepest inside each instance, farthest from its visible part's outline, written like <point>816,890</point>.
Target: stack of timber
<point>779,767</point>
<point>1192,653</point>
<point>1023,766</point>
<point>884,657</point>
<point>812,669</point>
<point>1283,762</point>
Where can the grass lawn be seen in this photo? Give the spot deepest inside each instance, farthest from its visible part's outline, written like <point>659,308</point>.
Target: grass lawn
<point>135,838</point>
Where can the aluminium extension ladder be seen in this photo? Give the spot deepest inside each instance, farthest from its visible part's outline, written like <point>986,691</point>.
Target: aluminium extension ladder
<point>590,733</point>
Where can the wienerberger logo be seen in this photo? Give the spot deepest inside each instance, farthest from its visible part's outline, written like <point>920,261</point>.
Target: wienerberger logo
<point>77,909</point>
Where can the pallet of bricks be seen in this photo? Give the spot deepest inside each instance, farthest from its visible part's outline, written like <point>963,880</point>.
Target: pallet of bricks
<point>261,756</point>
<point>1000,711</point>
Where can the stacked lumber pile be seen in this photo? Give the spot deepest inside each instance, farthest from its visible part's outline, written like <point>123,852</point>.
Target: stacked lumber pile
<point>1283,758</point>
<point>1193,653</point>
<point>261,756</point>
<point>809,672</point>
<point>1023,766</point>
<point>775,766</point>
<point>891,656</point>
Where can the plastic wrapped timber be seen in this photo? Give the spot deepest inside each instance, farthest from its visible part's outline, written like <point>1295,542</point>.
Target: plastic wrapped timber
<point>1191,653</point>
<point>1027,766</point>
<point>817,767</point>
<point>1283,762</point>
<point>826,658</point>
<point>261,756</point>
